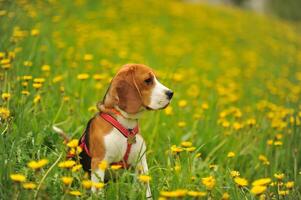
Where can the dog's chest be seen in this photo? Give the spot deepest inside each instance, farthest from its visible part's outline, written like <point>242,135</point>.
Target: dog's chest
<point>116,147</point>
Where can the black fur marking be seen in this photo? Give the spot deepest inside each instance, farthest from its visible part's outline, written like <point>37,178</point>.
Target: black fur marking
<point>85,159</point>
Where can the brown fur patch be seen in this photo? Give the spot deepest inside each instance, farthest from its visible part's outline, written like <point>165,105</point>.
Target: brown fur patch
<point>98,129</point>
<point>128,89</point>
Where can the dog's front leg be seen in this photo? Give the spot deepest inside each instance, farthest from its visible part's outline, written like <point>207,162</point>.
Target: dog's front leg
<point>143,164</point>
<point>97,174</point>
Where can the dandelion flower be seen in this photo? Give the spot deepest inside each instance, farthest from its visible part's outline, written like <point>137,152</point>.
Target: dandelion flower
<point>45,68</point>
<point>76,168</point>
<point>175,149</point>
<point>181,124</point>
<point>82,76</point>
<point>29,185</point>
<point>290,184</point>
<point>99,185</point>
<point>168,110</point>
<point>103,165</point>
<point>6,96</point>
<point>176,193</point>
<point>116,167</point>
<point>225,196</point>
<point>186,144</point>
<point>231,154</point>
<point>67,164</point>
<point>279,176</point>
<point>4,113</point>
<point>144,178</point>
<point>17,177</point>
<point>258,189</point>
<point>87,184</point>
<point>196,194</point>
<point>73,143</point>
<point>262,181</point>
<point>37,99</point>
<point>182,103</point>
<point>283,192</point>
<point>241,182</point>
<point>209,182</point>
<point>37,164</point>
<point>67,180</point>
<point>75,193</point>
<point>234,174</point>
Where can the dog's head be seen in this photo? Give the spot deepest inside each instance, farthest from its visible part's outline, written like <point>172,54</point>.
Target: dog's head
<point>135,88</point>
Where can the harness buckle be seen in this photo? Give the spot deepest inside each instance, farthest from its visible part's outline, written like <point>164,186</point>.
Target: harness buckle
<point>131,139</point>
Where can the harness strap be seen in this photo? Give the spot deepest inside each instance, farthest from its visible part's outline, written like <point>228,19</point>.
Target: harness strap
<point>129,134</point>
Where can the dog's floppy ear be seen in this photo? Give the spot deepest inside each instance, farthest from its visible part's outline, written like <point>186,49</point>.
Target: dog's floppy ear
<point>123,92</point>
<point>111,97</point>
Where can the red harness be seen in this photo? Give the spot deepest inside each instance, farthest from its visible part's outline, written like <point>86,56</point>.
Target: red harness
<point>129,134</point>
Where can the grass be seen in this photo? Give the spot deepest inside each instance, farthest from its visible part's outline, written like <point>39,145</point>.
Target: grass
<point>236,78</point>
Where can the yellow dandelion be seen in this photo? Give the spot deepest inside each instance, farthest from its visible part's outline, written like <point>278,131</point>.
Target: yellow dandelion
<point>209,182</point>
<point>75,193</point>
<point>6,96</point>
<point>18,177</point>
<point>279,176</point>
<point>35,32</point>
<point>39,80</point>
<point>29,185</point>
<point>4,113</point>
<point>234,174</point>
<point>186,144</point>
<point>27,63</point>
<point>67,164</point>
<point>37,85</point>
<point>278,143</point>
<point>182,103</point>
<point>25,92</point>
<point>241,182</point>
<point>99,185</point>
<point>262,181</point>
<point>87,184</point>
<point>57,79</point>
<point>37,164</point>
<point>264,160</point>
<point>144,178</point>
<point>175,149</point>
<point>290,184</point>
<point>258,189</point>
<point>37,99</point>
<point>176,193</point>
<point>168,110</point>
<point>88,57</point>
<point>73,143</point>
<point>181,124</point>
<point>225,196</point>
<point>76,168</point>
<point>231,154</point>
<point>103,165</point>
<point>27,78</point>
<point>116,167</point>
<point>283,192</point>
<point>196,194</point>
<point>67,180</point>
<point>190,149</point>
<point>45,68</point>
<point>82,76</point>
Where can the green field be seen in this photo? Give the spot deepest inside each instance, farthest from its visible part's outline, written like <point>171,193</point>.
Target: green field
<point>237,103</point>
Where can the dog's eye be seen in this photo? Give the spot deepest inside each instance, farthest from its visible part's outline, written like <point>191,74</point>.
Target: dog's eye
<point>148,81</point>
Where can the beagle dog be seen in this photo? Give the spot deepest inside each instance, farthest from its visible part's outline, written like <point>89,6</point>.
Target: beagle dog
<point>112,135</point>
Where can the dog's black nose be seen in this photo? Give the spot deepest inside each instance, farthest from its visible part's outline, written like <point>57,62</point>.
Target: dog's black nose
<point>169,94</point>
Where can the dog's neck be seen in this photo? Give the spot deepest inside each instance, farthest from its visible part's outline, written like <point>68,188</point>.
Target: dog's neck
<point>129,121</point>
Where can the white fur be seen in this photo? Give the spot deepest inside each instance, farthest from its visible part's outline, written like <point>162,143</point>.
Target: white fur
<point>115,148</point>
<point>159,98</point>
